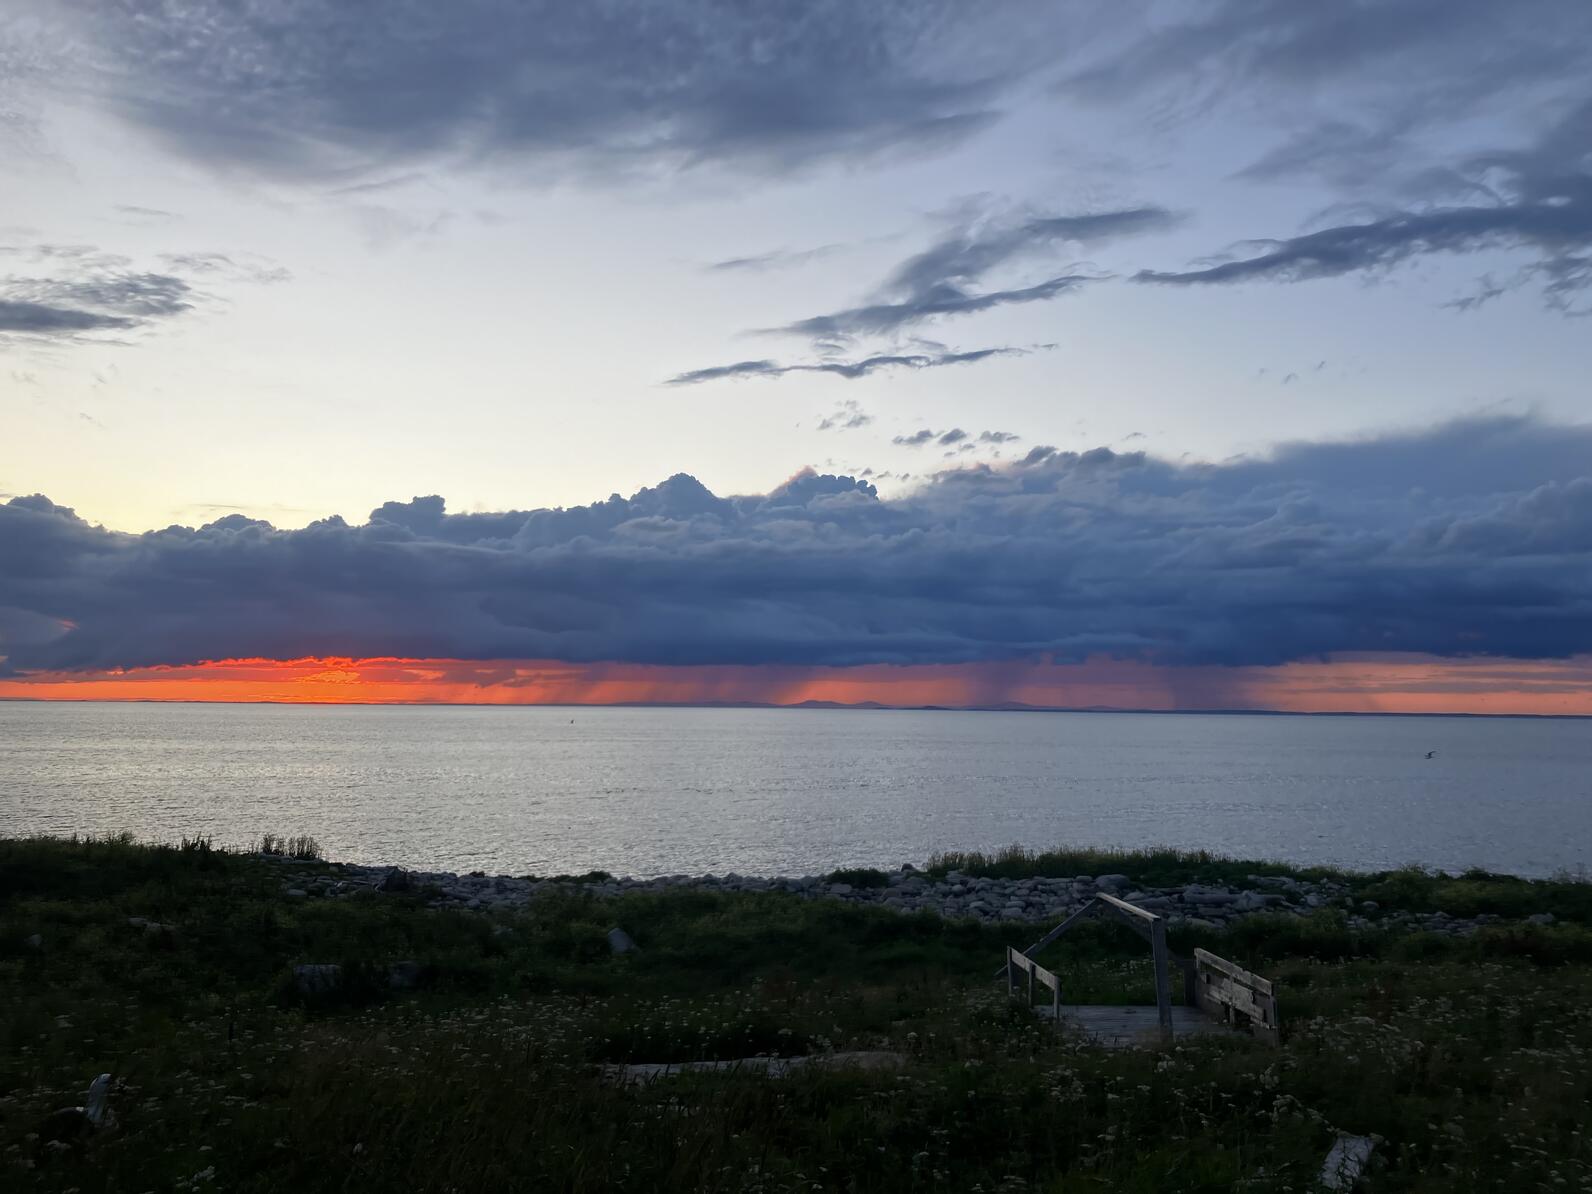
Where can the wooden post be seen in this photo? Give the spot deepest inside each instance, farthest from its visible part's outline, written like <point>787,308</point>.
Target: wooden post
<point>1163,985</point>
<point>1030,987</point>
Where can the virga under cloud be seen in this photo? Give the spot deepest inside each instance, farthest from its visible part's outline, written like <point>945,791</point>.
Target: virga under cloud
<point>1474,538</point>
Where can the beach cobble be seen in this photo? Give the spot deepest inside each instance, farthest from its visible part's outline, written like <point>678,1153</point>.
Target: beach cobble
<point>906,889</point>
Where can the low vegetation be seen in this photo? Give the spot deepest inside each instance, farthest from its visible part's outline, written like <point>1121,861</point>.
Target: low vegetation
<point>171,968</point>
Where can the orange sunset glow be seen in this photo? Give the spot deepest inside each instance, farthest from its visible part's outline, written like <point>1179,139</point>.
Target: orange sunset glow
<point>1368,684</point>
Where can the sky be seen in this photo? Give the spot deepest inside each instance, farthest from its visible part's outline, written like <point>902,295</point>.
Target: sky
<point>1208,354</point>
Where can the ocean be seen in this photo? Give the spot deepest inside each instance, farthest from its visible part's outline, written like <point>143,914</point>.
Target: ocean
<point>650,791</point>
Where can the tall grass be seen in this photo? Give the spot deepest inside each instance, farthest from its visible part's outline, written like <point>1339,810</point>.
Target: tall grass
<point>1157,866</point>
<point>1466,1056</point>
<point>300,846</point>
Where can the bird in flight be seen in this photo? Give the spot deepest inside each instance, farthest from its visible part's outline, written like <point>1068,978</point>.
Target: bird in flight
<point>1431,754</point>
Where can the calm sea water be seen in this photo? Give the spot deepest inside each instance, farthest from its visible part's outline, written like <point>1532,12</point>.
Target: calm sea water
<point>659,791</point>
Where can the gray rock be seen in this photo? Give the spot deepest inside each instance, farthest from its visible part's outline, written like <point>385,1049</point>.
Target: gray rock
<point>1113,883</point>
<point>34,942</point>
<point>621,942</point>
<point>151,928</point>
<point>296,893</point>
<point>395,880</point>
<point>314,978</point>
<point>403,976</point>
<point>1540,918</point>
<point>840,889</point>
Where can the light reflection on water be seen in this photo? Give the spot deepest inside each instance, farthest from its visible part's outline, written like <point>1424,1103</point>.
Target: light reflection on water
<point>763,791</point>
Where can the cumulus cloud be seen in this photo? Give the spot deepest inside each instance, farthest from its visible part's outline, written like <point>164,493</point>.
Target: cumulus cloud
<point>1469,538</point>
<point>850,370</point>
<point>334,88</point>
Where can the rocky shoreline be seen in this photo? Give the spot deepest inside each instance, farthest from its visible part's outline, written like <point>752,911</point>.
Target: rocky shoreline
<point>905,889</point>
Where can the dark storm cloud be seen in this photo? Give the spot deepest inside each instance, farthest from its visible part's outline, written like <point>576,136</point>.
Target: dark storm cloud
<point>850,370</point>
<point>939,281</point>
<point>1469,538</point>
<point>328,87</point>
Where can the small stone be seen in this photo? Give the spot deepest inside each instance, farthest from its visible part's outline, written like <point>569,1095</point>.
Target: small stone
<point>1540,918</point>
<point>840,889</point>
<point>34,942</point>
<point>1113,883</point>
<point>296,893</point>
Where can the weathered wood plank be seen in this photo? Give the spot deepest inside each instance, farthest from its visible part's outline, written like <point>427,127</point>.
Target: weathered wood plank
<point>1163,983</point>
<point>1133,910</point>
<point>1237,973</point>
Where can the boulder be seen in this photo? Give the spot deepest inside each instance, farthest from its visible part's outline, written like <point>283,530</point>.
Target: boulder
<point>403,976</point>
<point>621,942</point>
<point>1115,884</point>
<point>315,978</point>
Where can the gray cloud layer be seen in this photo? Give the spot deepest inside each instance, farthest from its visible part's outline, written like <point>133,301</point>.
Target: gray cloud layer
<point>91,291</point>
<point>1473,537</point>
<point>323,87</point>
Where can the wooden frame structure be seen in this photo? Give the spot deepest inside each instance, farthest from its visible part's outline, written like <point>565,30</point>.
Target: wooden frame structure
<point>1016,961</point>
<point>1211,984</point>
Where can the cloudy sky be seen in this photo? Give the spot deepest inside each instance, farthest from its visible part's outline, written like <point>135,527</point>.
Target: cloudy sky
<point>1178,355</point>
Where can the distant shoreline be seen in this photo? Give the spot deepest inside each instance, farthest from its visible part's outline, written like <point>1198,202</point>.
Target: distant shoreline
<point>804,706</point>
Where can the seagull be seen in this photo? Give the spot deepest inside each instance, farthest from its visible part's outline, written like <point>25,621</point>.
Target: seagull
<point>1431,754</point>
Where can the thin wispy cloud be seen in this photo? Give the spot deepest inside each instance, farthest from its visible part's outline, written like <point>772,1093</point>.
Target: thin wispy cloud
<point>850,370</point>
<point>943,280</point>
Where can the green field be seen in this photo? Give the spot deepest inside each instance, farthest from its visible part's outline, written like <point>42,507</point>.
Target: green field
<point>1469,1058</point>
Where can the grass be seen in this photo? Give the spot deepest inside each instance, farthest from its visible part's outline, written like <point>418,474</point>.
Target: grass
<point>1412,889</point>
<point>1467,1057</point>
<point>302,847</point>
<point>1160,867</point>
